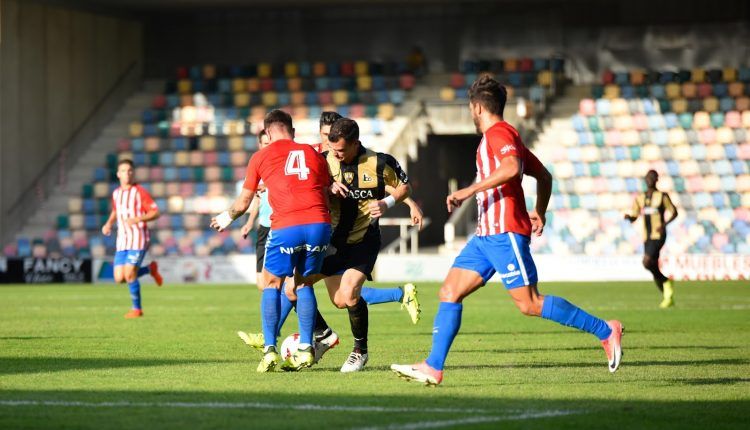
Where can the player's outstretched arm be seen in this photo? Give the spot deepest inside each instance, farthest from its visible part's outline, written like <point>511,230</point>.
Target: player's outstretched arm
<point>107,227</point>
<point>543,193</point>
<point>239,207</point>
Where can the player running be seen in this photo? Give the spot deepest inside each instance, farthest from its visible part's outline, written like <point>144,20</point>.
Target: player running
<point>406,294</point>
<point>325,337</point>
<point>501,243</point>
<point>652,204</point>
<point>132,207</point>
<point>297,180</point>
<point>359,199</point>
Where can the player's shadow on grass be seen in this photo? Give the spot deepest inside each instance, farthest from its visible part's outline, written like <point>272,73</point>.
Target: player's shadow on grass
<point>588,348</point>
<point>711,381</point>
<point>503,332</point>
<point>553,365</point>
<point>18,365</point>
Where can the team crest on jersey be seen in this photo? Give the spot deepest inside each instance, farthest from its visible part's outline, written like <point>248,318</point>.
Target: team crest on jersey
<point>348,177</point>
<point>366,178</point>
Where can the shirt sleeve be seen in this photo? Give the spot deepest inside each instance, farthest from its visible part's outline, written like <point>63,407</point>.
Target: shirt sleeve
<point>252,176</point>
<point>393,174</point>
<point>635,211</point>
<point>147,202</point>
<point>503,144</point>
<point>667,202</point>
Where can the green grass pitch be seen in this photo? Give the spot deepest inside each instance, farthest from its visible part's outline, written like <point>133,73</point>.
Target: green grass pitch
<point>68,359</point>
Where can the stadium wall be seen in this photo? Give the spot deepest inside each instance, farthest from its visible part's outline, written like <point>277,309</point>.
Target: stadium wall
<point>58,67</point>
<point>592,35</point>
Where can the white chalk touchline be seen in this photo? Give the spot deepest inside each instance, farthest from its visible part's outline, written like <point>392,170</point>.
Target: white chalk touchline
<point>239,405</point>
<point>471,420</point>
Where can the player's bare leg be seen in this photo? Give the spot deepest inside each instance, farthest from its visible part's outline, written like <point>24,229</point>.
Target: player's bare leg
<point>459,284</point>
<point>344,291</point>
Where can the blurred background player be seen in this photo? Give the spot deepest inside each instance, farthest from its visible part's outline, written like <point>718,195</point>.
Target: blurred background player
<point>132,207</point>
<point>652,204</point>
<point>300,231</point>
<point>501,243</point>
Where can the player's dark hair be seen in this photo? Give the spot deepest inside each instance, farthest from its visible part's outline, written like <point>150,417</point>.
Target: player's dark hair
<point>127,161</point>
<point>489,93</point>
<point>261,134</point>
<point>329,117</point>
<point>278,116</point>
<point>344,128</point>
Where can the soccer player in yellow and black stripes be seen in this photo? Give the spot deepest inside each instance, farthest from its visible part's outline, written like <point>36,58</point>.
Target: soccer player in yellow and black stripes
<point>653,204</point>
<point>358,199</point>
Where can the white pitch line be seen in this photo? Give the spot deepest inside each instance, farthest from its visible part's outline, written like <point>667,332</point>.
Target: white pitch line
<point>471,420</point>
<point>239,405</point>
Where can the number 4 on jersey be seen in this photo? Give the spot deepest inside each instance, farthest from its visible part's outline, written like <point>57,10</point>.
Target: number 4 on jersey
<point>295,165</point>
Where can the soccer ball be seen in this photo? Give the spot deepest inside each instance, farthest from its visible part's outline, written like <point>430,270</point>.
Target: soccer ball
<point>289,346</point>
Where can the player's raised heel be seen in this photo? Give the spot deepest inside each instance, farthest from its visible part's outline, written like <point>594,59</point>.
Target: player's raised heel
<point>153,270</point>
<point>355,362</point>
<point>324,345</point>
<point>613,345</point>
<point>269,361</point>
<point>299,360</point>
<point>420,372</point>
<point>253,340</point>
<point>411,302</point>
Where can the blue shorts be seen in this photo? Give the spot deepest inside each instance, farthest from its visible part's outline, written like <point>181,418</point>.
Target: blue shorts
<point>300,247</point>
<point>130,257</point>
<point>507,254</point>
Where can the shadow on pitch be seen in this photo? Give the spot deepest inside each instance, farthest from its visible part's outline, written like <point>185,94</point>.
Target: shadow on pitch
<point>625,363</point>
<point>412,406</point>
<point>22,365</point>
<point>588,348</point>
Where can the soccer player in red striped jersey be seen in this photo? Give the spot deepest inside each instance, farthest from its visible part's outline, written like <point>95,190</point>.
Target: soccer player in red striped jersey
<point>501,243</point>
<point>132,207</point>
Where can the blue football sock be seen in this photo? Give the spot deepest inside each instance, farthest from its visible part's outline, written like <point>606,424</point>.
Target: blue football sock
<point>306,310</point>
<point>562,311</point>
<point>270,308</point>
<point>444,330</point>
<point>286,307</point>
<point>135,293</point>
<point>145,270</point>
<point>374,296</point>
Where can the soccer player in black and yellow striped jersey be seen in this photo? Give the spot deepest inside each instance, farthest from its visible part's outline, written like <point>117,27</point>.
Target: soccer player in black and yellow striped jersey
<point>653,204</point>
<point>365,184</point>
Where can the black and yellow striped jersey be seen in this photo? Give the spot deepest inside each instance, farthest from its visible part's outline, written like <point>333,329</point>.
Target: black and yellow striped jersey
<point>652,207</point>
<point>366,178</point>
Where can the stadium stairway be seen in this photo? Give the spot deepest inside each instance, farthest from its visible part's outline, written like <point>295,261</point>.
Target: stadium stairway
<point>56,203</point>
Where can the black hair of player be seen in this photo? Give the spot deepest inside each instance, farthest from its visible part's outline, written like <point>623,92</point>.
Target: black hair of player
<point>127,161</point>
<point>344,128</point>
<point>490,93</point>
<point>329,117</point>
<point>278,116</point>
